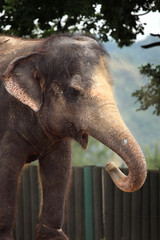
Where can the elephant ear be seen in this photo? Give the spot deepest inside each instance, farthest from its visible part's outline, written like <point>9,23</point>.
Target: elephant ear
<point>24,81</point>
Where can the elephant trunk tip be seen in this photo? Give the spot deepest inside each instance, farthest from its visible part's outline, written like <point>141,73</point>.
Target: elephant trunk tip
<point>115,173</point>
<point>123,182</point>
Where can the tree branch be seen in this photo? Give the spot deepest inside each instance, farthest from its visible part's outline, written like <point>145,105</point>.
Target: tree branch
<point>155,35</point>
<point>142,14</point>
<point>151,45</point>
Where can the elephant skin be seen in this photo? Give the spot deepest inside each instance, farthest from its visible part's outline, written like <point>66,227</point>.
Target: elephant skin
<point>52,91</point>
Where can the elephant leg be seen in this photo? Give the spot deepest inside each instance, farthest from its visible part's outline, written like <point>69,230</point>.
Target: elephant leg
<point>12,154</point>
<point>55,171</point>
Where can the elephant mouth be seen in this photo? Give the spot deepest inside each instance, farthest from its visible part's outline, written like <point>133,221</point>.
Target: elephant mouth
<point>82,139</point>
<point>81,136</point>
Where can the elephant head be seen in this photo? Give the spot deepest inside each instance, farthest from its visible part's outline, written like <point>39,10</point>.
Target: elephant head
<point>66,83</point>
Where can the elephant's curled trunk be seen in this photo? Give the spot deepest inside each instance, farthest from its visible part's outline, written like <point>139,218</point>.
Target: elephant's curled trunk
<point>110,129</point>
<point>134,158</point>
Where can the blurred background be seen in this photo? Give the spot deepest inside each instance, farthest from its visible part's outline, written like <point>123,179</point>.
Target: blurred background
<point>123,27</point>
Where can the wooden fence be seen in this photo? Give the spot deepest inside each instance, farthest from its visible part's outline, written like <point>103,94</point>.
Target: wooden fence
<point>97,209</point>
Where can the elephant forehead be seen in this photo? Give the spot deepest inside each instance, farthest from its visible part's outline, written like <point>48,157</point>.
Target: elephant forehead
<point>101,80</point>
<point>100,73</point>
<point>102,93</point>
<point>85,40</point>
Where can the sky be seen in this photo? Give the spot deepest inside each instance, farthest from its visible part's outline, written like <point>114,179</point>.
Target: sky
<point>153,24</point>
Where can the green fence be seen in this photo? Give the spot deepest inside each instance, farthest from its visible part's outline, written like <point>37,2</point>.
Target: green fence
<point>97,209</point>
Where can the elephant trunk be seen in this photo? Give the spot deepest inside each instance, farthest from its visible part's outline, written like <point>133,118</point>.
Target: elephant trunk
<point>109,128</point>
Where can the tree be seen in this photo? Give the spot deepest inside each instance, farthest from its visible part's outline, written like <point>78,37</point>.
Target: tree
<point>149,95</point>
<point>117,19</point>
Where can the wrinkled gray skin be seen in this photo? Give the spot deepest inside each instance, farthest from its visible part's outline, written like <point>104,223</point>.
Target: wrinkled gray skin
<point>54,90</point>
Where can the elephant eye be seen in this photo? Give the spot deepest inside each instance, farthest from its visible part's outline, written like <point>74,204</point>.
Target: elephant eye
<point>72,94</point>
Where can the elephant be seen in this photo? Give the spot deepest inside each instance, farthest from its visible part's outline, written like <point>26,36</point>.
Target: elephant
<point>54,90</point>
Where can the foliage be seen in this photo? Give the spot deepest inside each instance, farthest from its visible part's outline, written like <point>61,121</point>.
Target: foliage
<point>149,94</point>
<point>107,18</point>
<point>153,156</point>
<point>96,154</point>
